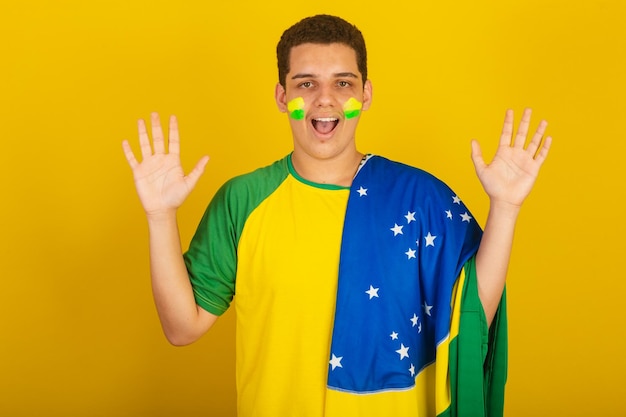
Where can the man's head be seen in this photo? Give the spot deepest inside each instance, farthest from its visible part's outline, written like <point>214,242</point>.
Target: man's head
<point>320,29</point>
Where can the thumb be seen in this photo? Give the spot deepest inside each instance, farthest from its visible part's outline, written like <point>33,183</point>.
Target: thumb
<point>477,156</point>
<point>197,171</point>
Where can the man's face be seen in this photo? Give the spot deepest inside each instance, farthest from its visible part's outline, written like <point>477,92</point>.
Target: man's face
<point>324,94</point>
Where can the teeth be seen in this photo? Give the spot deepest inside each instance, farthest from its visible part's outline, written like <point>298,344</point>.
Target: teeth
<point>326,119</point>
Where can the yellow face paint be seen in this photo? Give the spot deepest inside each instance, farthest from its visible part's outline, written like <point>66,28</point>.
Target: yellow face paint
<point>296,108</point>
<point>352,108</point>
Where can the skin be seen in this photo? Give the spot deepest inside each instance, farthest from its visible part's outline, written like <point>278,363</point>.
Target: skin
<point>507,180</point>
<point>325,76</point>
<point>162,187</point>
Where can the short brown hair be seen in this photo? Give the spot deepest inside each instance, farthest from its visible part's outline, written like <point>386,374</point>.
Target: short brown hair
<point>320,29</point>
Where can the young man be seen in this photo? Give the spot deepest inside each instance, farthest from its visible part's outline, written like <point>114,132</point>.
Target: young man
<point>363,286</point>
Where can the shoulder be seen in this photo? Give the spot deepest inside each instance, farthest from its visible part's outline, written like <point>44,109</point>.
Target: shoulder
<point>256,184</point>
<point>239,196</point>
<point>399,174</point>
<point>272,173</point>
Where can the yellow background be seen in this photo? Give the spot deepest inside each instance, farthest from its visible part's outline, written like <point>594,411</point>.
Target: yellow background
<point>79,333</point>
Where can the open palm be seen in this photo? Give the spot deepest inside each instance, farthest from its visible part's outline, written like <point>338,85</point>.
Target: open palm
<point>510,176</point>
<point>159,178</point>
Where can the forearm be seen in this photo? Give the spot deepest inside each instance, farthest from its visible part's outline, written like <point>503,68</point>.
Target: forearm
<point>182,320</point>
<point>492,259</point>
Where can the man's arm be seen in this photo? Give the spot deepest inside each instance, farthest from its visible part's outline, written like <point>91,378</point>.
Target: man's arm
<point>507,180</point>
<point>162,187</point>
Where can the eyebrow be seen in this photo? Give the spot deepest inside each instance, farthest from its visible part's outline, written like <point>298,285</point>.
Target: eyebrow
<point>336,75</point>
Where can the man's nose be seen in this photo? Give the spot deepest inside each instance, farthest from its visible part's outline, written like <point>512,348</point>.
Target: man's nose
<point>324,97</point>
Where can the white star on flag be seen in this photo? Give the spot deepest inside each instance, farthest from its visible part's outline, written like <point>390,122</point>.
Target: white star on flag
<point>362,191</point>
<point>394,336</point>
<point>414,319</point>
<point>410,217</point>
<point>373,292</point>
<point>427,308</point>
<point>466,217</point>
<point>397,230</point>
<point>412,370</point>
<point>410,253</point>
<point>336,362</point>
<point>430,239</point>
<point>403,351</point>
<point>449,214</point>
<point>456,200</point>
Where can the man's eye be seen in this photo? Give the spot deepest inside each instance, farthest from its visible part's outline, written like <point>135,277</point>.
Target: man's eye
<point>306,84</point>
<point>343,84</point>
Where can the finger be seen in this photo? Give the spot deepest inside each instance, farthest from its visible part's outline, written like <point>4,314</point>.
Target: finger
<point>130,156</point>
<point>196,172</point>
<point>477,156</point>
<point>545,149</point>
<point>144,140</point>
<point>507,129</point>
<point>536,140</point>
<point>174,139</point>
<point>522,130</point>
<point>157,134</point>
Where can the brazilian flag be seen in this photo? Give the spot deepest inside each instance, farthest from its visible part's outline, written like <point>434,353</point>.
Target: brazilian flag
<point>410,337</point>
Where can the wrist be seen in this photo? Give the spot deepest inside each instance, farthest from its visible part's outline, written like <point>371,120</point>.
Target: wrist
<point>503,209</point>
<point>161,216</point>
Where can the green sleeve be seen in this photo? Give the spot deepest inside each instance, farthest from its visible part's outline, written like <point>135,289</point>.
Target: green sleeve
<point>211,259</point>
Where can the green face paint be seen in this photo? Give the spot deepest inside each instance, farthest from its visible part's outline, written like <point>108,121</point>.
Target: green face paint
<point>352,108</point>
<point>296,108</point>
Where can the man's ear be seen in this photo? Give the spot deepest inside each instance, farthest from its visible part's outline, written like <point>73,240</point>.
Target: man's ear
<point>367,95</point>
<point>280,95</point>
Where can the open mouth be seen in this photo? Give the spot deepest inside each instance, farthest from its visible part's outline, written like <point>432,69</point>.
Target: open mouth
<point>325,125</point>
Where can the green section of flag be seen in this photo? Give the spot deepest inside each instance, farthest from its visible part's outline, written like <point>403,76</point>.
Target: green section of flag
<point>478,357</point>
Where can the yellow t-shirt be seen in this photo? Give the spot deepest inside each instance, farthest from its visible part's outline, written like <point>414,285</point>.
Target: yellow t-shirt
<point>273,240</point>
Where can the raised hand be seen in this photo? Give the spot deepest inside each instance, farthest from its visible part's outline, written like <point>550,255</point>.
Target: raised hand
<point>161,183</point>
<point>510,176</point>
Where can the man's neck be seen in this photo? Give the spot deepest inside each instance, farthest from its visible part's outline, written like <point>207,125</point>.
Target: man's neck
<point>336,171</point>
